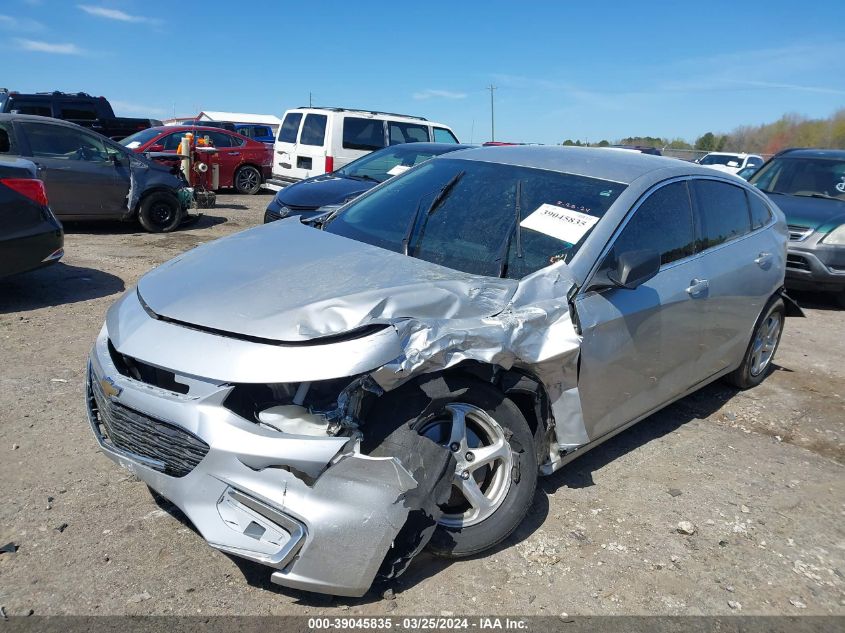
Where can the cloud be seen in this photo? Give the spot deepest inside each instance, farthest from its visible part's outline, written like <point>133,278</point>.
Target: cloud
<point>49,47</point>
<point>114,14</point>
<point>438,94</point>
<point>123,108</point>
<point>19,24</point>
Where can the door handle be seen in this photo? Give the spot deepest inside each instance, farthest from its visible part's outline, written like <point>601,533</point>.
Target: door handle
<point>698,288</point>
<point>764,260</point>
<point>233,153</point>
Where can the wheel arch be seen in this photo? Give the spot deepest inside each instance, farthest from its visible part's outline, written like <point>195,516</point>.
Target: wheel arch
<point>148,192</point>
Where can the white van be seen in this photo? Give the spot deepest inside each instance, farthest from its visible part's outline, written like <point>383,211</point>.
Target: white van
<point>314,141</point>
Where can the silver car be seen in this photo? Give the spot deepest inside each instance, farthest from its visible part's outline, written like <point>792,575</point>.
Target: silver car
<point>329,398</point>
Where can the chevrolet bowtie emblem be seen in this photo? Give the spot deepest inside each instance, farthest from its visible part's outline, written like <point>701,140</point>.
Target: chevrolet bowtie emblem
<point>110,388</point>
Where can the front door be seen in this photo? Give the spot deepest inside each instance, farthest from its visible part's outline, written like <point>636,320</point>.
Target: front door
<point>77,171</point>
<point>640,346</point>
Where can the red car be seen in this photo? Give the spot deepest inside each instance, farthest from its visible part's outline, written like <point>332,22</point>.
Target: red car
<point>244,163</point>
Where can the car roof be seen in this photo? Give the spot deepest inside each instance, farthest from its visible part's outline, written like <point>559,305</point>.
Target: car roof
<point>809,152</point>
<point>594,162</point>
<point>432,146</point>
<point>36,119</point>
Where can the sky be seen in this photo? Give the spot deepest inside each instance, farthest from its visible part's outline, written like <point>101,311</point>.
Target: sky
<point>562,70</point>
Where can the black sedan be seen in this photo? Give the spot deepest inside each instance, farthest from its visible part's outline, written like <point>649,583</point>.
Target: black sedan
<point>314,196</point>
<point>30,235</point>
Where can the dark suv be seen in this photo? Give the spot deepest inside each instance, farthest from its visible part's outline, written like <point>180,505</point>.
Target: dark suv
<point>809,187</point>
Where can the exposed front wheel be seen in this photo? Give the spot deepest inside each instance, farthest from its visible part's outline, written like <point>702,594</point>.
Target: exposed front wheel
<point>160,212</point>
<point>248,180</point>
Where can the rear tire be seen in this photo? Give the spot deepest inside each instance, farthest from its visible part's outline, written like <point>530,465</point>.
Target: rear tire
<point>757,362</point>
<point>160,212</point>
<point>247,180</point>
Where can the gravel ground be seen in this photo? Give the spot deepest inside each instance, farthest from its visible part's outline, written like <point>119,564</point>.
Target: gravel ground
<point>758,475</point>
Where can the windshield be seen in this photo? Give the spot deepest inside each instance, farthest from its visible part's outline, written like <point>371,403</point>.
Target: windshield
<point>796,176</point>
<point>478,217</point>
<point>721,159</point>
<point>388,162</point>
<point>140,138</point>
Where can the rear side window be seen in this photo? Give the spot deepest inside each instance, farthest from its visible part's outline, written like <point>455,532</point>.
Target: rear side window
<point>30,107</point>
<point>7,139</point>
<point>290,127</point>
<point>723,212</point>
<point>261,131</point>
<point>442,135</point>
<point>407,133</point>
<point>365,134</point>
<point>760,213</point>
<point>663,222</point>
<point>77,111</point>
<point>313,130</point>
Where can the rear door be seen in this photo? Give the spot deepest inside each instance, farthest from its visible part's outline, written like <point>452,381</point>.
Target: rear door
<point>309,155</point>
<point>229,157</point>
<point>360,135</point>
<point>77,171</point>
<point>640,346</point>
<point>745,266</point>
<point>285,146</point>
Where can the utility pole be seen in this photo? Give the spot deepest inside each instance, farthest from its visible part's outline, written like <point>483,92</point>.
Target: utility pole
<point>491,88</point>
<point>309,100</point>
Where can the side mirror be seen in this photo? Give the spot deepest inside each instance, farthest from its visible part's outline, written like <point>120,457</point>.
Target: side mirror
<point>634,268</point>
<point>156,148</point>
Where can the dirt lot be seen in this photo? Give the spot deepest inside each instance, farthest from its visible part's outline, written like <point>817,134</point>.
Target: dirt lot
<point>760,475</point>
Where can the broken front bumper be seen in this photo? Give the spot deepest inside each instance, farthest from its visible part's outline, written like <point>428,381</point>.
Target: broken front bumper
<point>320,514</point>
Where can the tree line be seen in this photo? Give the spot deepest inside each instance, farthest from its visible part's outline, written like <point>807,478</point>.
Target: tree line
<point>791,130</point>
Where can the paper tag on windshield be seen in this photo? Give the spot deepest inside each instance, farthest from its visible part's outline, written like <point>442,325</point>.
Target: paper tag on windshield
<point>399,169</point>
<point>133,144</point>
<point>563,224</point>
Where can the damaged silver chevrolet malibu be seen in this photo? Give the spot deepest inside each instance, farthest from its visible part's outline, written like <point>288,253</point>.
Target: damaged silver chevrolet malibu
<point>328,399</point>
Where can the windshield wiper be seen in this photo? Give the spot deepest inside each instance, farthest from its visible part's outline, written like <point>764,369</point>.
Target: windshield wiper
<point>363,177</point>
<point>823,196</point>
<point>515,232</point>
<point>441,195</point>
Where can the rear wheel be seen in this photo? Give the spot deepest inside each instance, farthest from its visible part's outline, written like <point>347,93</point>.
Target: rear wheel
<point>160,212</point>
<point>248,180</point>
<point>761,350</point>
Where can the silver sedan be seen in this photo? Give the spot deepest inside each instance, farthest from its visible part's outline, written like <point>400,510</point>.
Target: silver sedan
<point>329,397</point>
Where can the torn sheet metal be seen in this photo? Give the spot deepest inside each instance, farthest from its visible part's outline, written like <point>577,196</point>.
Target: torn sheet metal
<point>534,332</point>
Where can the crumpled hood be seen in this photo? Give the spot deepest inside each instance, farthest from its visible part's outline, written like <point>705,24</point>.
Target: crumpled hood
<point>819,214</point>
<point>321,190</point>
<point>289,282</point>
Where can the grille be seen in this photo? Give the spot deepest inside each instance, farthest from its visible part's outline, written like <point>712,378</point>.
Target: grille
<point>174,451</point>
<point>797,261</point>
<point>798,233</point>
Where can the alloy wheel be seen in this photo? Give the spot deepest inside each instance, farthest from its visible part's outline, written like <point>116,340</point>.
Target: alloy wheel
<point>765,341</point>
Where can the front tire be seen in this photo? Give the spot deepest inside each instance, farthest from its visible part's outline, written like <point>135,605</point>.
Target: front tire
<point>160,212</point>
<point>496,473</point>
<point>248,180</point>
<point>757,361</point>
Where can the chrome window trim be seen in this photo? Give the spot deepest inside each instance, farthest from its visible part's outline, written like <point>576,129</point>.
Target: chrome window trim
<point>663,183</point>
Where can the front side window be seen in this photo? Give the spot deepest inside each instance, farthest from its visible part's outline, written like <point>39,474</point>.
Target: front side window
<point>171,141</point>
<point>57,141</point>
<point>442,135</point>
<point>290,127</point>
<point>662,223</point>
<point>314,130</point>
<point>406,133</point>
<point>723,212</point>
<point>78,112</point>
<point>479,217</point>
<point>363,134</point>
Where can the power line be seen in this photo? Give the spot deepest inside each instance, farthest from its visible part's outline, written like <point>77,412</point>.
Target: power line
<point>491,88</point>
